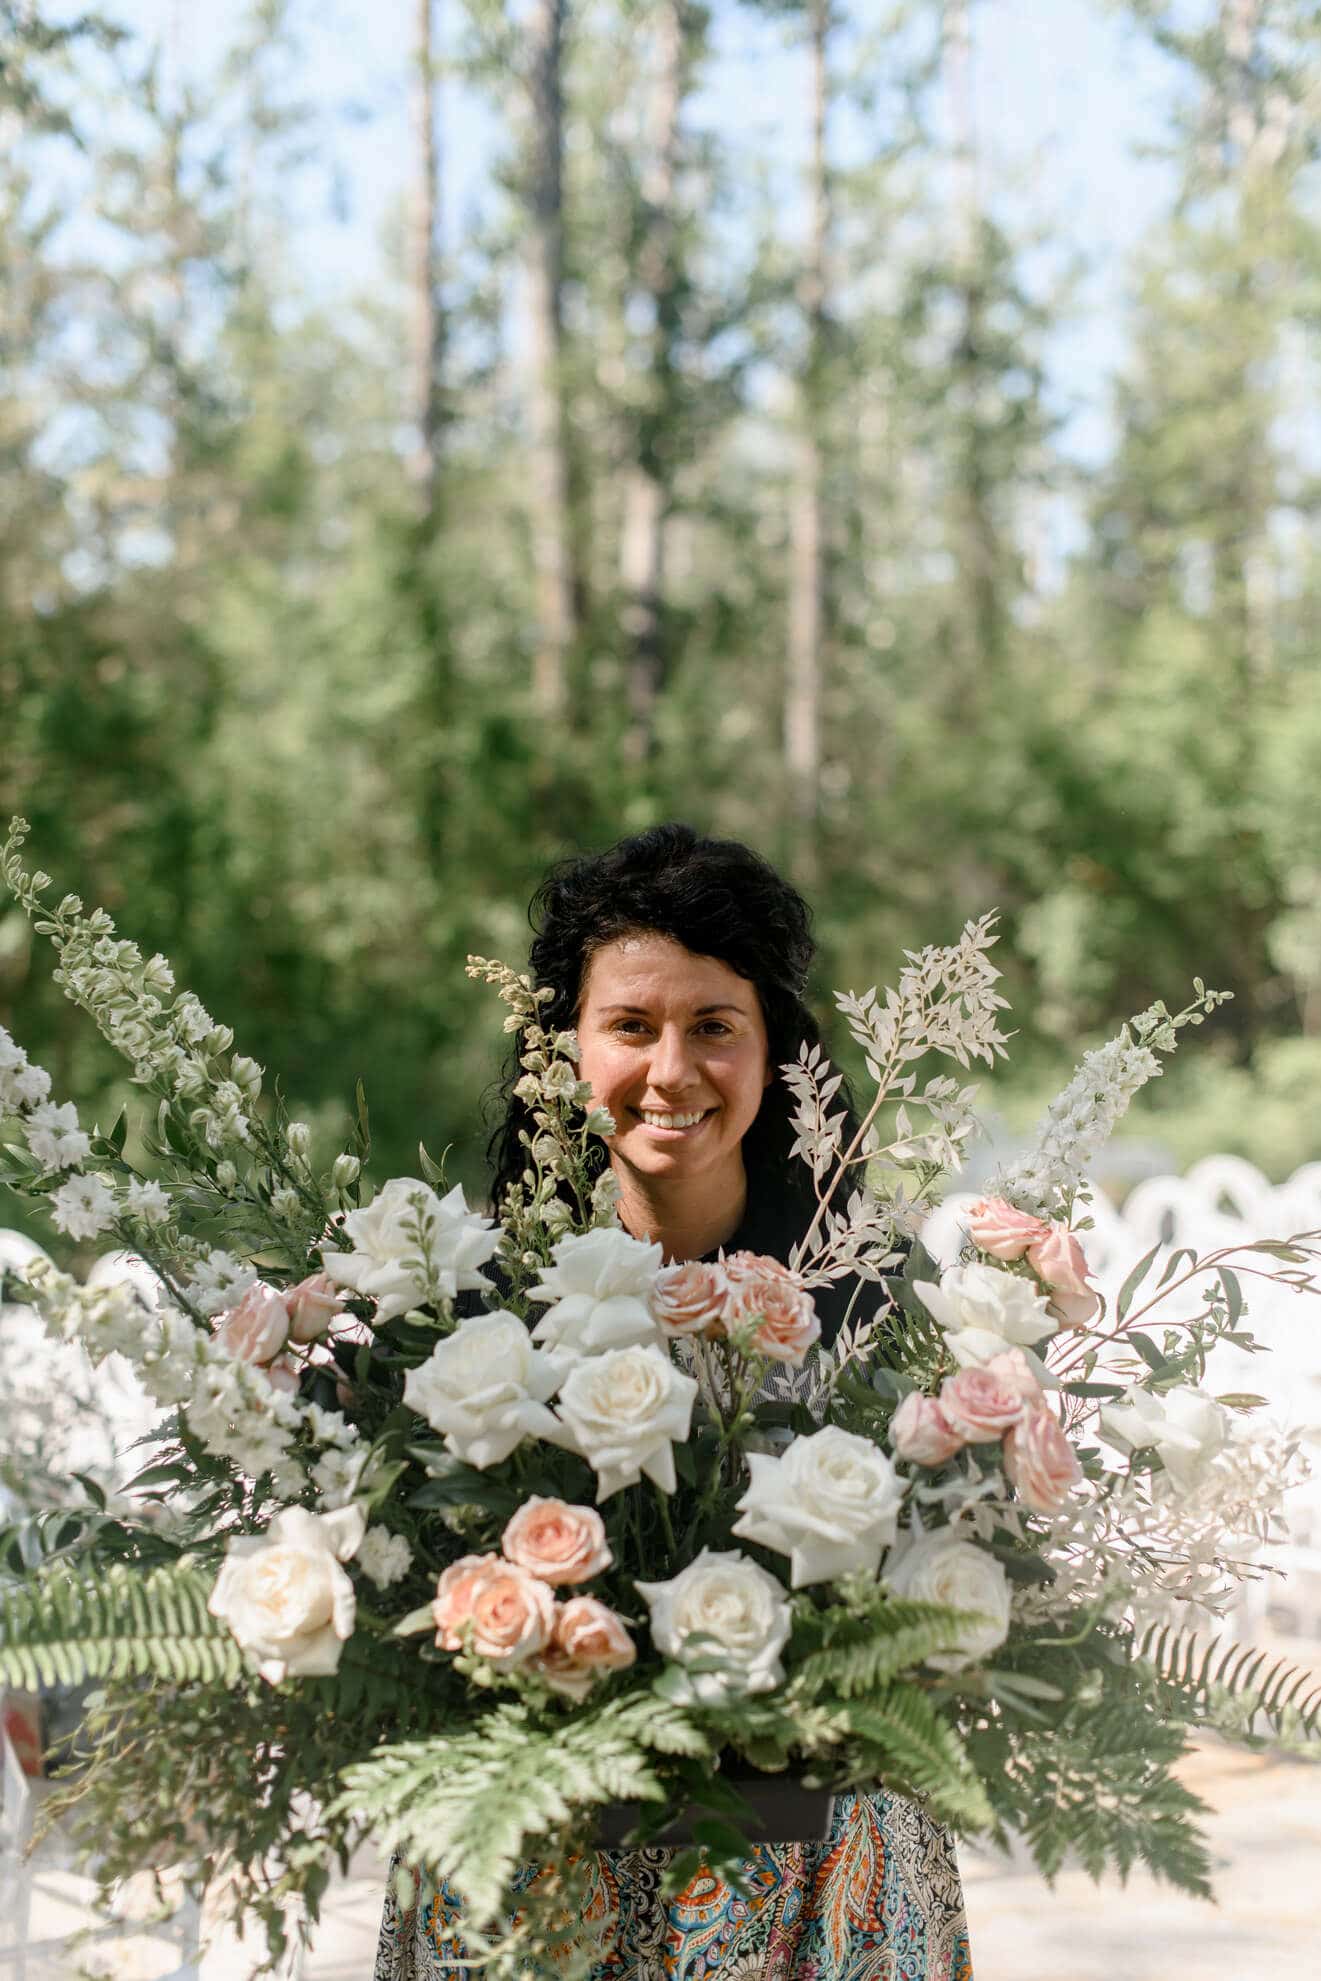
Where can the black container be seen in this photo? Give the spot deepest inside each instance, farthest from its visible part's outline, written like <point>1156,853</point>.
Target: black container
<point>786,1812</point>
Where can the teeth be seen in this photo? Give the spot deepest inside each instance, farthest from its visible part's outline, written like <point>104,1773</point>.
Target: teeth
<point>654,1120</point>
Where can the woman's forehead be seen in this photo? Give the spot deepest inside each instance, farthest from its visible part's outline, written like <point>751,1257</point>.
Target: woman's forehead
<point>640,970</point>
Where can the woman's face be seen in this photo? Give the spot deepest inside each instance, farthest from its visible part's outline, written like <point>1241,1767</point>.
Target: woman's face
<point>675,1046</point>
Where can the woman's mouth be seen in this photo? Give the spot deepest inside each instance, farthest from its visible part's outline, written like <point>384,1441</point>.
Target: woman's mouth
<point>672,1121</point>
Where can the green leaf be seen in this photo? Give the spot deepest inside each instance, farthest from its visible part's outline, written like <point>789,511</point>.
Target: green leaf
<point>1135,1279</point>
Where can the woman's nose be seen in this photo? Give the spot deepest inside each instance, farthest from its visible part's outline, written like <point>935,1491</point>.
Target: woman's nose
<point>672,1060</point>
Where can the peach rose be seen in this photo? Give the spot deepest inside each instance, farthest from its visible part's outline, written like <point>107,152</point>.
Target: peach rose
<point>1059,1260</point>
<point>979,1406</point>
<point>556,1542</point>
<point>257,1329</point>
<point>1040,1462</point>
<point>589,1640</point>
<point>689,1298</point>
<point>742,1266</point>
<point>921,1433</point>
<point>312,1305</point>
<point>1013,1371</point>
<point>493,1608</point>
<point>1001,1231</point>
<point>780,1316</point>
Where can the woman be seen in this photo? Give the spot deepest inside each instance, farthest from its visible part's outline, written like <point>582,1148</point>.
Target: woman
<point>682,963</point>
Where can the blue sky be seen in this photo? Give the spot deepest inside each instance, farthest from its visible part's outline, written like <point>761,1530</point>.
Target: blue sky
<point>1064,96</point>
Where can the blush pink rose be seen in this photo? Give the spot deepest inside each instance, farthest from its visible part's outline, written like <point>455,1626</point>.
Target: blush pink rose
<point>1040,1462</point>
<point>921,1433</point>
<point>1059,1260</point>
<point>283,1374</point>
<point>1014,1371</point>
<point>689,1298</point>
<point>257,1329</point>
<point>557,1542</point>
<point>1001,1231</point>
<point>589,1640</point>
<point>312,1305</point>
<point>493,1608</point>
<point>781,1317</point>
<point>979,1406</point>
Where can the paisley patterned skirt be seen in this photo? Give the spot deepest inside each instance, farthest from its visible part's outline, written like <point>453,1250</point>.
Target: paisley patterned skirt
<point>878,1900</point>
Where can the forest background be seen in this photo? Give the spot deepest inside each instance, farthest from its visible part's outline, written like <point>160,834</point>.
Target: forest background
<point>435,438</point>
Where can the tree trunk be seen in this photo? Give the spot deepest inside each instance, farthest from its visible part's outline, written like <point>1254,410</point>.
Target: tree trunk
<point>425,323</point>
<point>549,481</point>
<point>802,700</point>
<point>647,490</point>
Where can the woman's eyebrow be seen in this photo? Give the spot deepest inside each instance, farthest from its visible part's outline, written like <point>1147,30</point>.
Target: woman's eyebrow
<point>643,1011</point>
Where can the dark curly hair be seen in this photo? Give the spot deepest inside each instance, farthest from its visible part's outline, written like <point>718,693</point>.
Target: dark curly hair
<point>718,898</point>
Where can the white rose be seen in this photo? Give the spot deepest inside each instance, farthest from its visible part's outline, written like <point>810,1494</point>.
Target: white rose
<point>600,1284</point>
<point>284,1595</point>
<point>388,1265</point>
<point>830,1504</point>
<point>1186,1426</point>
<point>983,1311</point>
<point>724,1610</point>
<point>624,1411</point>
<point>485,1388</point>
<point>939,1568</point>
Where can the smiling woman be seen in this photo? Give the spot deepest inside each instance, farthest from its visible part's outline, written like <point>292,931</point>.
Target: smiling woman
<point>682,963</point>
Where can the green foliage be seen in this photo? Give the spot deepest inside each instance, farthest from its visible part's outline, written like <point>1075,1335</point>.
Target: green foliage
<point>1235,1688</point>
<point>65,1626</point>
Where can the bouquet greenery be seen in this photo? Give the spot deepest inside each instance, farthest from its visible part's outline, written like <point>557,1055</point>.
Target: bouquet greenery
<point>458,1529</point>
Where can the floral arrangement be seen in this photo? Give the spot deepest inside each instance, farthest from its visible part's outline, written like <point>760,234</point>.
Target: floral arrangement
<point>457,1529</point>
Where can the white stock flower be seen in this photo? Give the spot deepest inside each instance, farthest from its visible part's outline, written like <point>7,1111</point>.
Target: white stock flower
<point>83,1207</point>
<point>485,1388</point>
<point>54,1137</point>
<point>624,1411</point>
<point>384,1556</point>
<point>983,1311</point>
<point>940,1568</point>
<point>1185,1425</point>
<point>28,1086</point>
<point>1077,1123</point>
<point>284,1595</point>
<point>337,1475</point>
<point>600,1282</point>
<point>722,1610</point>
<point>148,1201</point>
<point>830,1504</point>
<point>389,1265</point>
<point>219,1281</point>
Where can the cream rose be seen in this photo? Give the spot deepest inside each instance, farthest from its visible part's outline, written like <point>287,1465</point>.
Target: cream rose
<point>830,1504</point>
<point>257,1329</point>
<point>776,1316</point>
<point>979,1406</point>
<point>485,1388</point>
<point>1058,1259</point>
<point>690,1298</point>
<point>998,1228</point>
<point>624,1412</point>
<point>285,1596</point>
<point>312,1305</point>
<point>919,1433</point>
<point>723,1612</point>
<point>558,1542</point>
<point>1040,1463</point>
<point>983,1311</point>
<point>411,1246</point>
<point>494,1609</point>
<point>939,1568</point>
<point>599,1287</point>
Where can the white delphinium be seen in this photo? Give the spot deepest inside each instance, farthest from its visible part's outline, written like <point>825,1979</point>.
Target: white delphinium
<point>54,1137</point>
<point>147,1201</point>
<point>83,1207</point>
<point>384,1556</point>
<point>219,1280</point>
<point>599,1286</point>
<point>337,1474</point>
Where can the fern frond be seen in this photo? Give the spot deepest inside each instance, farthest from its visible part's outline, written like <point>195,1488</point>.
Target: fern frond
<point>865,1653</point>
<point>466,1804</point>
<point>1210,1674</point>
<point>907,1735</point>
<point>61,1627</point>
